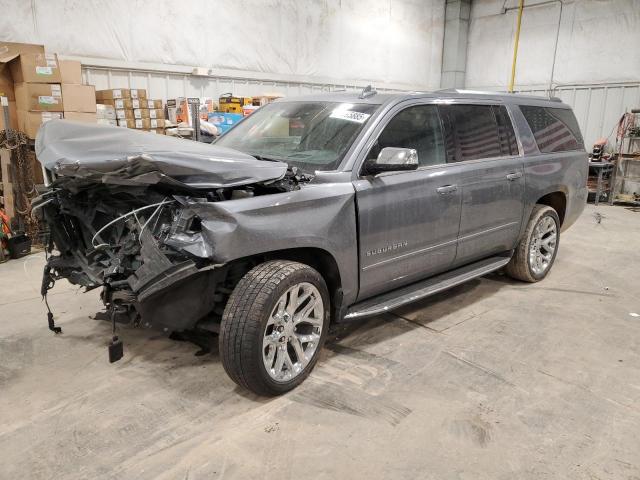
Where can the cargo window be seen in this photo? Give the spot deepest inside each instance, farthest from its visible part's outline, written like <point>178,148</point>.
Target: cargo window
<point>478,131</point>
<point>555,129</point>
<point>415,127</point>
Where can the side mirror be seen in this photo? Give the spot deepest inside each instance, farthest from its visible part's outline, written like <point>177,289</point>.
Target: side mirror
<point>392,159</point>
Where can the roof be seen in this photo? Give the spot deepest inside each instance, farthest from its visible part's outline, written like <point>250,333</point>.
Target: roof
<point>382,98</point>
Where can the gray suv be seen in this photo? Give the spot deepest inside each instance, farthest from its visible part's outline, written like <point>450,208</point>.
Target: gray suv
<point>311,211</point>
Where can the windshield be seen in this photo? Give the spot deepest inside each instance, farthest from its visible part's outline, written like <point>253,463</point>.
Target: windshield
<point>309,135</point>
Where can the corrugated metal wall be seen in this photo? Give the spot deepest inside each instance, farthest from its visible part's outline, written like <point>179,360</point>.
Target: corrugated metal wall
<point>164,85</point>
<point>597,107</point>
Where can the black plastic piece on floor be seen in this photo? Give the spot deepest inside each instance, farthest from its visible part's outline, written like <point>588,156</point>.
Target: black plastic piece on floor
<point>52,325</point>
<point>116,350</point>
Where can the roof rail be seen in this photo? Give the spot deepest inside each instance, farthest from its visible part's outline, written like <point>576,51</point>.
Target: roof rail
<point>367,92</point>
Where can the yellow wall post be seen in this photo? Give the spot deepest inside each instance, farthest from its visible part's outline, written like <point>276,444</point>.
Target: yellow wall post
<point>515,47</point>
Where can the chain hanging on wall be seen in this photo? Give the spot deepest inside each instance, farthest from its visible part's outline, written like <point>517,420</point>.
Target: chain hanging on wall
<point>24,188</point>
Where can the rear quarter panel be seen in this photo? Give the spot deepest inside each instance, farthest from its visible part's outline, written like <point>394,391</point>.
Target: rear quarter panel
<point>546,173</point>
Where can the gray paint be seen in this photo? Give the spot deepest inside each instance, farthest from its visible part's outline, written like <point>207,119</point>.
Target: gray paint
<point>487,212</point>
<point>409,228</point>
<point>95,152</point>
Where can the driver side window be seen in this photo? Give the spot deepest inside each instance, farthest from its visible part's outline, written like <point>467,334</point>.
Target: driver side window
<point>416,127</point>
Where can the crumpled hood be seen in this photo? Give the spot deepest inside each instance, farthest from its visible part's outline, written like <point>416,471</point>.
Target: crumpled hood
<point>121,155</point>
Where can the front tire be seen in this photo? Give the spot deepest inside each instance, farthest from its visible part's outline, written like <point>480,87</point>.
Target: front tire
<point>536,252</point>
<point>274,326</point>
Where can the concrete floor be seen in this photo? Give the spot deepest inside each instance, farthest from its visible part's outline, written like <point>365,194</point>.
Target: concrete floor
<point>492,380</point>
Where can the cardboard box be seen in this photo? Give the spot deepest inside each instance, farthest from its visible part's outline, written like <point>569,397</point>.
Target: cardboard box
<point>9,51</point>
<point>143,123</point>
<point>35,68</point>
<point>127,122</point>
<point>85,117</point>
<point>70,71</point>
<point>106,121</point>
<point>124,113</point>
<point>6,83</point>
<point>230,104</point>
<point>29,122</point>
<point>125,102</point>
<point>141,113</point>
<point>138,93</point>
<point>106,112</point>
<point>79,98</point>
<point>13,114</point>
<point>159,131</point>
<point>113,94</point>
<point>156,123</point>
<point>39,97</point>
<point>156,113</point>
<point>152,104</point>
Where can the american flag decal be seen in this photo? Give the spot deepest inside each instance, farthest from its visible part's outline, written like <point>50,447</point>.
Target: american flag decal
<point>555,130</point>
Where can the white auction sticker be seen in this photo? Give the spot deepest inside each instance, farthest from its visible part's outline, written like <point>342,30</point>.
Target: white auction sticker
<point>119,103</point>
<point>351,116</point>
<point>134,93</point>
<point>152,114</point>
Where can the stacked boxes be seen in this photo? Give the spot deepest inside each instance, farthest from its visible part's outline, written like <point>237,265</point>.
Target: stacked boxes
<point>230,104</point>
<point>37,88</point>
<point>106,115</point>
<point>8,53</point>
<point>79,100</point>
<point>40,87</point>
<point>133,109</point>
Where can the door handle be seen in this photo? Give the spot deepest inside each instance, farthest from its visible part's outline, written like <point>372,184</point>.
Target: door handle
<point>514,176</point>
<point>446,189</point>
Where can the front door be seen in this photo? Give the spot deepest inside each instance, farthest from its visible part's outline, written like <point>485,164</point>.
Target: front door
<point>408,221</point>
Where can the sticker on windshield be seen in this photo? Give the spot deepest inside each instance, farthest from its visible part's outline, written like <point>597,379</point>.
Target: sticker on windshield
<point>357,117</point>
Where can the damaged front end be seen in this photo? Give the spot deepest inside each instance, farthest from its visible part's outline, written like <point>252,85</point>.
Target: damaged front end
<point>115,237</point>
<point>123,215</point>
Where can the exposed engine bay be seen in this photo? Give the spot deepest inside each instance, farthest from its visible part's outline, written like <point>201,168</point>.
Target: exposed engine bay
<point>126,214</point>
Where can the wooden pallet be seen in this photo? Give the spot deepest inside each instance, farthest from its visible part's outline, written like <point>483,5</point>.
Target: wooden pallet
<point>7,185</point>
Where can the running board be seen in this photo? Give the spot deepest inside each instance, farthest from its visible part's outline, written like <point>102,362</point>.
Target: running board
<point>416,291</point>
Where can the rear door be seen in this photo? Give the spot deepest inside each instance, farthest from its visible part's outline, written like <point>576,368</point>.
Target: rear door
<point>408,221</point>
<point>481,140</point>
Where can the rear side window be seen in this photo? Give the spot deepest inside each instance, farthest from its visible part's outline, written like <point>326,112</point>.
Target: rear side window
<point>555,129</point>
<point>478,131</point>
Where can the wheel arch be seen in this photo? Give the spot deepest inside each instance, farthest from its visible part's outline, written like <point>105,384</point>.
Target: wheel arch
<point>556,200</point>
<point>317,258</point>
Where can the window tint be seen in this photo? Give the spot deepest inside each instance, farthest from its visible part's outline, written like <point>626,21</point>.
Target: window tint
<point>478,131</point>
<point>555,129</point>
<point>418,128</point>
<point>506,135</point>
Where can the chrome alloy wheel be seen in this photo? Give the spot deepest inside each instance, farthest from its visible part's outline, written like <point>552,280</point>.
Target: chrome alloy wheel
<point>293,332</point>
<point>543,245</point>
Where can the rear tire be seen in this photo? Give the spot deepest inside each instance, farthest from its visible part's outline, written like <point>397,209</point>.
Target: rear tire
<point>274,326</point>
<point>537,250</point>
